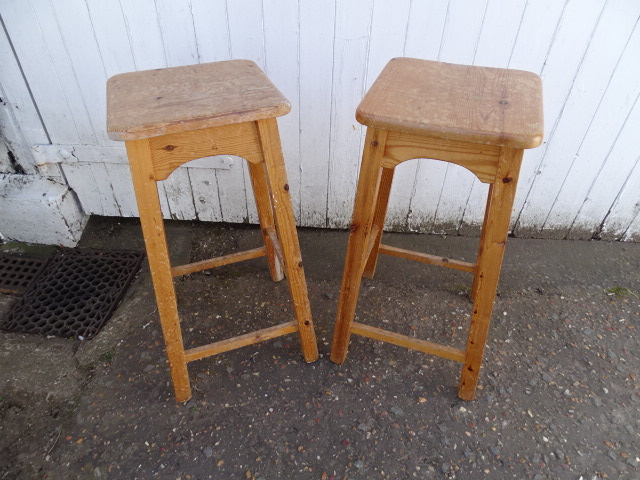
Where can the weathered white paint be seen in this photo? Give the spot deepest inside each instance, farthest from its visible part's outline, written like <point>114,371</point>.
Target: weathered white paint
<point>51,210</point>
<point>583,181</point>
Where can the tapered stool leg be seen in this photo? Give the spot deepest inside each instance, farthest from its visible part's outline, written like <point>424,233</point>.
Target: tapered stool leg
<point>493,242</point>
<point>286,228</point>
<point>357,249</point>
<point>378,220</point>
<point>140,161</point>
<point>483,233</point>
<point>265,215</point>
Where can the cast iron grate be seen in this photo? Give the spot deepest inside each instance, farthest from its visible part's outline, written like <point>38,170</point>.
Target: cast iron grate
<point>17,272</point>
<point>77,293</point>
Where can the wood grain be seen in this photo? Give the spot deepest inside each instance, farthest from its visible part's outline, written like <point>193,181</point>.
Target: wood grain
<point>170,100</point>
<point>480,159</point>
<point>456,102</point>
<point>171,151</point>
<point>240,341</point>
<point>408,342</point>
<point>156,246</point>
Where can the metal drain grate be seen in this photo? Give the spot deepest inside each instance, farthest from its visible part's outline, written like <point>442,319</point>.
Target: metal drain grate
<point>77,293</point>
<point>17,272</point>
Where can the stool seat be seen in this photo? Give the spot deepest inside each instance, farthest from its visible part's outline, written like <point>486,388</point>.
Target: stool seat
<point>456,102</point>
<point>172,100</point>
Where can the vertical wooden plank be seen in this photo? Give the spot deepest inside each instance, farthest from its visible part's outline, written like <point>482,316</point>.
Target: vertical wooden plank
<point>353,21</point>
<point>632,234</point>
<point>612,200</point>
<point>538,30</point>
<point>560,69</point>
<point>609,119</point>
<point>204,186</point>
<point>179,195</point>
<point>594,73</point>
<point>317,23</point>
<point>81,180</point>
<point>211,30</point>
<point>388,39</point>
<point>502,22</point>
<point>104,190</point>
<point>84,62</point>
<point>122,185</point>
<point>281,41</point>
<point>145,37</point>
<point>210,21</point>
<point>34,49</point>
<point>246,33</point>
<point>232,192</point>
<point>15,94</point>
<point>425,31</point>
<point>111,34</point>
<point>623,222</point>
<point>459,43</point>
<point>176,21</point>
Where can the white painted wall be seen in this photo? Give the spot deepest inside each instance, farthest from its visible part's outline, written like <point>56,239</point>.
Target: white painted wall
<point>584,181</point>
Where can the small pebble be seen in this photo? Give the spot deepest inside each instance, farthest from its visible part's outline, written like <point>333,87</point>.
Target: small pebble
<point>397,411</point>
<point>207,451</point>
<point>596,402</point>
<point>358,464</point>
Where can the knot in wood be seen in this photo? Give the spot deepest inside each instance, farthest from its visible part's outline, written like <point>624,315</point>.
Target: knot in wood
<point>506,180</point>
<point>374,143</point>
<point>286,187</point>
<point>168,148</point>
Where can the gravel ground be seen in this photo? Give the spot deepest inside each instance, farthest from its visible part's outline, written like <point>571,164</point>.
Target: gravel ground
<point>558,395</point>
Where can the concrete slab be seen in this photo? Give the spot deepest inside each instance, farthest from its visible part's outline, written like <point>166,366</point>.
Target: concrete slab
<point>42,366</point>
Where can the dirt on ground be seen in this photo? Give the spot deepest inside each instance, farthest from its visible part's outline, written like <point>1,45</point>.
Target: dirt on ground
<point>558,395</point>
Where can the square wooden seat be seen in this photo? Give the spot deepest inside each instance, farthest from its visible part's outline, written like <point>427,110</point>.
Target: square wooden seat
<point>479,118</point>
<point>170,116</point>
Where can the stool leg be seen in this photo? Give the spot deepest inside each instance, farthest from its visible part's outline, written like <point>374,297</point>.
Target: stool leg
<point>363,213</point>
<point>474,288</point>
<point>140,161</point>
<point>265,215</point>
<point>378,220</point>
<point>286,228</point>
<point>494,236</point>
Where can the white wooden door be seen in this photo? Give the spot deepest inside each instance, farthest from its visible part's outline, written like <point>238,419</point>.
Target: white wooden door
<point>584,181</point>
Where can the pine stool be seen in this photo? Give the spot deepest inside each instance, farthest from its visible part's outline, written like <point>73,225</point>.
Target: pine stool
<point>170,116</point>
<point>479,118</point>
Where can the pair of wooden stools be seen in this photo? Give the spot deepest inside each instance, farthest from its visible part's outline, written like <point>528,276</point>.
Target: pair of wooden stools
<point>479,118</point>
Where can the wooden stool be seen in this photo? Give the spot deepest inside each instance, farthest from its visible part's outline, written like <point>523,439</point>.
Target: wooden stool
<point>479,118</point>
<point>173,115</point>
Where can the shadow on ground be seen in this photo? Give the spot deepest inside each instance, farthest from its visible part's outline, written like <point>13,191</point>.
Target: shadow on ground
<point>558,399</point>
